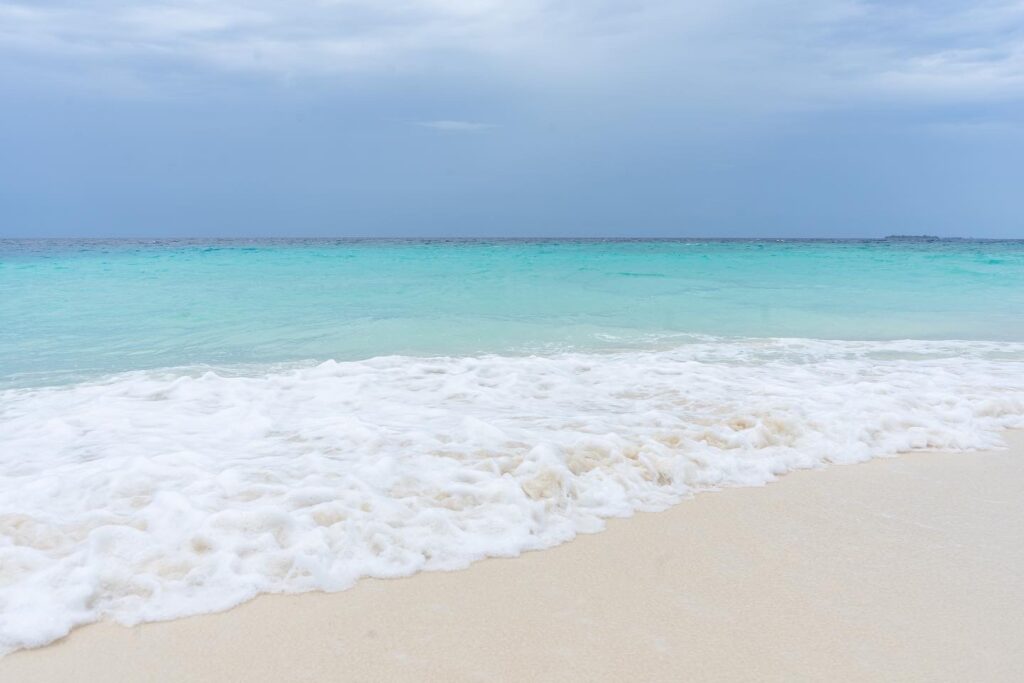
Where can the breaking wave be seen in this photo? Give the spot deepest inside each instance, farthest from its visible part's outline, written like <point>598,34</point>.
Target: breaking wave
<point>152,495</point>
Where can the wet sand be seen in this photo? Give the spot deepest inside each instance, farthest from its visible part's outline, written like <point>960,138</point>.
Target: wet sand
<point>907,569</point>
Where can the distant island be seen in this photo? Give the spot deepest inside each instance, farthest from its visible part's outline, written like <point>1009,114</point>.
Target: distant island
<point>929,238</point>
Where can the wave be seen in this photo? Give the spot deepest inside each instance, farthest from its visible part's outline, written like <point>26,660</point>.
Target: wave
<point>153,495</point>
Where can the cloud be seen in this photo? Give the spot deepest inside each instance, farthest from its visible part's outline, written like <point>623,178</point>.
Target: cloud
<point>984,129</point>
<point>782,52</point>
<point>456,126</point>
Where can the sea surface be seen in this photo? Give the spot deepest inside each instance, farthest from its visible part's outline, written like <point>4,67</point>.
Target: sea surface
<point>185,424</point>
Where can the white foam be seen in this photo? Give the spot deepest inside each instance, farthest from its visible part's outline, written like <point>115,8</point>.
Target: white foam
<point>154,495</point>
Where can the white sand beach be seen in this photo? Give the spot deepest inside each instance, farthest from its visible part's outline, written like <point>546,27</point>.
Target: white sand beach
<point>905,569</point>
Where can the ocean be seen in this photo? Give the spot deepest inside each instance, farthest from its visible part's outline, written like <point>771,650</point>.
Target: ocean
<point>187,423</point>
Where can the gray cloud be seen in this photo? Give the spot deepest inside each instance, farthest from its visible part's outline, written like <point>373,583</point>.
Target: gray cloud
<point>801,52</point>
<point>456,126</point>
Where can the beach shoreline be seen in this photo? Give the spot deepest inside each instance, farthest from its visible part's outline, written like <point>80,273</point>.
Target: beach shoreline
<point>900,568</point>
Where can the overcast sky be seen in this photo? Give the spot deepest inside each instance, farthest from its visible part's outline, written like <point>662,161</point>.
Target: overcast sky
<point>522,117</point>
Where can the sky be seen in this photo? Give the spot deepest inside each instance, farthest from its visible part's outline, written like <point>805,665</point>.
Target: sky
<point>644,118</point>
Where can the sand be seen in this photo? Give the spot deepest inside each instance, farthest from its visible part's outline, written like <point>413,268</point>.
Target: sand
<point>906,569</point>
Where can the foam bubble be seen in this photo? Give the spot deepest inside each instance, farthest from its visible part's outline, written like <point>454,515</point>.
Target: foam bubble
<point>154,495</point>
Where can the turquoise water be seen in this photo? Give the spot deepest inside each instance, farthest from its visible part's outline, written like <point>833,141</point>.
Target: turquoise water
<point>186,424</point>
<point>76,309</point>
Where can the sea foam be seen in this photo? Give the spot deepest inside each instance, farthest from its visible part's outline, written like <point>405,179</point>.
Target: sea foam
<point>153,495</point>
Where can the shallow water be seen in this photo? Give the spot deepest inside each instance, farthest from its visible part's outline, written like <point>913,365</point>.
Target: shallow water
<point>184,425</point>
<point>83,308</point>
